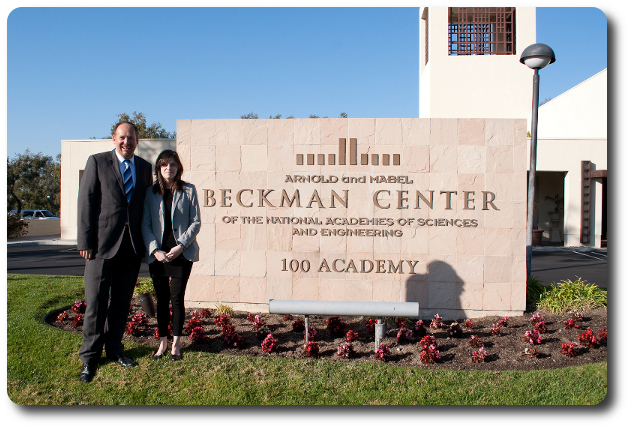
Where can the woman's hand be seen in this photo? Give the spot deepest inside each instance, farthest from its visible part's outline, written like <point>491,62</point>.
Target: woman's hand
<point>161,256</point>
<point>175,252</point>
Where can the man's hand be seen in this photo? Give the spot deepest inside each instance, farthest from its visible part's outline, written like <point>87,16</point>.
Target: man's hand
<point>86,254</point>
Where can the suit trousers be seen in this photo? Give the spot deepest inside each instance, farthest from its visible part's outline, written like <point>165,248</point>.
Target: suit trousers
<point>109,286</point>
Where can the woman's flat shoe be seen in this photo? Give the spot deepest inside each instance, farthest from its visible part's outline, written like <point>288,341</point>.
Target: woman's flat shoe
<point>156,357</point>
<point>176,357</point>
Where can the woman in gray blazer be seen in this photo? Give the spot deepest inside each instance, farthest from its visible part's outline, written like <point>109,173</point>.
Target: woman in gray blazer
<point>170,223</point>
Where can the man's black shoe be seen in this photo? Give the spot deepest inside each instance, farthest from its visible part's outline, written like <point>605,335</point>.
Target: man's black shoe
<point>87,373</point>
<point>123,360</point>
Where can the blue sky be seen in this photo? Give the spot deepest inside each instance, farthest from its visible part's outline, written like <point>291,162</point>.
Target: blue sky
<point>70,71</point>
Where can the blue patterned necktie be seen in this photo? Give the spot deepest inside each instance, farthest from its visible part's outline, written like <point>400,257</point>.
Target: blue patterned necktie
<point>128,180</point>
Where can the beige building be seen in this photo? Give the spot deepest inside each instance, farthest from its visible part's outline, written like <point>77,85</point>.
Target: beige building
<point>469,68</point>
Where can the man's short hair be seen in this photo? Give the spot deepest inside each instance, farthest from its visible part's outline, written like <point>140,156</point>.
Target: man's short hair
<point>135,128</point>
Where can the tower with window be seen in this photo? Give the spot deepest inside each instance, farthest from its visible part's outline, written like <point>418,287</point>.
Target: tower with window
<point>469,62</point>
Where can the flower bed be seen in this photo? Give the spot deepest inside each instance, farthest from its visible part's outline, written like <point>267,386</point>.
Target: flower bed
<point>506,343</point>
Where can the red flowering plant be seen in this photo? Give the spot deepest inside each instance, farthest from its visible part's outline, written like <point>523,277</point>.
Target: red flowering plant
<point>369,324</point>
<point>570,323</point>
<point>455,330</point>
<point>419,328</point>
<point>536,318</point>
<point>541,327</point>
<point>63,316</point>
<point>311,332</point>
<point>311,349</point>
<point>532,336</point>
<point>140,319</point>
<point>77,320</point>
<point>192,323</point>
<point>345,350</point>
<point>404,335</point>
<point>436,322</point>
<point>587,338</point>
<point>351,335</point>
<point>231,337</point>
<point>270,344</point>
<point>132,328</point>
<point>429,353</point>
<point>263,332</point>
<point>401,322</point>
<point>530,352</point>
<point>468,324</point>
<point>569,350</point>
<point>503,322</point>
<point>197,334</point>
<point>287,317</point>
<point>495,330</point>
<point>479,356</point>
<point>222,321</point>
<point>475,342</point>
<point>603,334</point>
<point>205,313</point>
<point>382,352</point>
<point>336,326</point>
<point>298,326</point>
<point>78,307</point>
<point>576,316</point>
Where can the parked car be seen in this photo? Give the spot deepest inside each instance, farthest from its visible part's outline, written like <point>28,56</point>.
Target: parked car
<point>35,214</point>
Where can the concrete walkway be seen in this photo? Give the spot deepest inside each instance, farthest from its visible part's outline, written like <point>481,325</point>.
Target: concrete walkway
<point>38,240</point>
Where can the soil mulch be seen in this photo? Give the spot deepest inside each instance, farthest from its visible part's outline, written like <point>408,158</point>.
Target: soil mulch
<point>505,351</point>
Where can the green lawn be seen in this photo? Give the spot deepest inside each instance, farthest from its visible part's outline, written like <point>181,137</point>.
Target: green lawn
<point>43,367</point>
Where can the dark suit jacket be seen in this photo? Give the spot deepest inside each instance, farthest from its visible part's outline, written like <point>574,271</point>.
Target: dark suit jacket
<point>103,209</point>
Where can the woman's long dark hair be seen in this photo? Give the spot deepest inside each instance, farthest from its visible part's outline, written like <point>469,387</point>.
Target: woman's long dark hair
<point>161,186</point>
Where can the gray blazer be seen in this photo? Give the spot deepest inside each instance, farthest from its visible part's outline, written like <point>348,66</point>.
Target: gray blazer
<point>185,216</point>
<point>103,209</point>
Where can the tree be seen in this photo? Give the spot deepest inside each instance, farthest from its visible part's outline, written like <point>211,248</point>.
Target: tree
<point>34,181</point>
<point>251,115</point>
<point>344,115</point>
<point>155,130</point>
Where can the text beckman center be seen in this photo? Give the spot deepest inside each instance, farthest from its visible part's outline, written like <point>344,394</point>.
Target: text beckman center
<point>421,210</point>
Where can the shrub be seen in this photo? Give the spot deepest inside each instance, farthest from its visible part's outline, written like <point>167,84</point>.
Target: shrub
<point>351,335</point>
<point>269,344</point>
<point>16,227</point>
<point>311,349</point>
<point>382,353</point>
<point>475,342</point>
<point>530,352</point>
<point>587,338</point>
<point>404,335</point>
<point>192,323</point>
<point>532,336</point>
<point>479,356</point>
<point>346,350</point>
<point>144,285</point>
<point>419,328</point>
<point>436,322</point>
<point>224,309</point>
<point>429,353</point>
<point>336,326</point>
<point>78,307</point>
<point>573,296</point>
<point>455,330</point>
<point>197,334</point>
<point>535,289</point>
<point>298,326</point>
<point>569,349</point>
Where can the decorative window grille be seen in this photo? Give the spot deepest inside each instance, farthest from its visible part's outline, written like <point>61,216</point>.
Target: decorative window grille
<point>481,31</point>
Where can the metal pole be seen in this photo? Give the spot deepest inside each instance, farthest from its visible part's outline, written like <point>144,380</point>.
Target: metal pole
<point>306,329</point>
<point>532,175</point>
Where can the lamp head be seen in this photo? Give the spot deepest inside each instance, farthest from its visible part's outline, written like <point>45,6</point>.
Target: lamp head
<point>537,56</point>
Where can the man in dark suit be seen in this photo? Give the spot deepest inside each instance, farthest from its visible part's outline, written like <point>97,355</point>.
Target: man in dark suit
<point>109,238</point>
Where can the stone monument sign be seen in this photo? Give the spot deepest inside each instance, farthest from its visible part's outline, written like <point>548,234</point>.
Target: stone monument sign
<point>425,210</point>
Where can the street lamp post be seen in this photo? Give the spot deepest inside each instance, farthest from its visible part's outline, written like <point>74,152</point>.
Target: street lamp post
<point>536,57</point>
